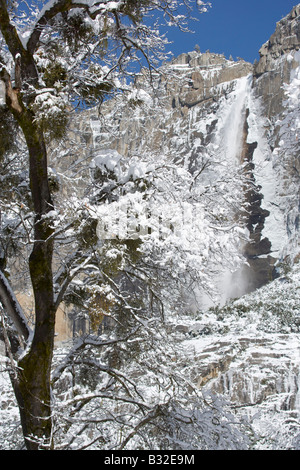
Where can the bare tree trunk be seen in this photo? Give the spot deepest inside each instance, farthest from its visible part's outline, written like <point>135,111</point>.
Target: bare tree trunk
<point>32,381</point>
<point>32,387</point>
<point>35,366</point>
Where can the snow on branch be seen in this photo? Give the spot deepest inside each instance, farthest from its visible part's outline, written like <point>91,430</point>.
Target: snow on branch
<point>12,307</point>
<point>81,343</point>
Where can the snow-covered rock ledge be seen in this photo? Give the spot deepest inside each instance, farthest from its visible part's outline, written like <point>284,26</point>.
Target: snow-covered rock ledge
<point>249,352</point>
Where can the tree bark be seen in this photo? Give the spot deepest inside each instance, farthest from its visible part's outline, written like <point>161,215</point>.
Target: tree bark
<point>33,385</point>
<point>32,381</point>
<point>35,366</point>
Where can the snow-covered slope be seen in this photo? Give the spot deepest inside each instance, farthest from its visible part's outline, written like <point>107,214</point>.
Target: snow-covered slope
<point>249,352</point>
<point>276,158</point>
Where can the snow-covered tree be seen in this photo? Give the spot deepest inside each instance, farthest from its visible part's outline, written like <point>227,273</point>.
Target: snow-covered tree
<point>54,55</point>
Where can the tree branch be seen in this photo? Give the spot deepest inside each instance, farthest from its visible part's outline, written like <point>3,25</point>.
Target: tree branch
<point>9,31</point>
<point>81,343</point>
<point>61,6</point>
<point>12,307</point>
<point>11,94</point>
<point>69,276</point>
<point>148,418</point>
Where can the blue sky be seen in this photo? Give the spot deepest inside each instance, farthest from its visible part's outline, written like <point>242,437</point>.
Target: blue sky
<point>233,27</point>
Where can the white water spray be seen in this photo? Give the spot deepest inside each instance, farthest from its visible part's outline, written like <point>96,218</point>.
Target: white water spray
<point>232,121</point>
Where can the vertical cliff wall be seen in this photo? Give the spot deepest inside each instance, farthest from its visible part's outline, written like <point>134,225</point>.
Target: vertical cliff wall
<point>274,125</point>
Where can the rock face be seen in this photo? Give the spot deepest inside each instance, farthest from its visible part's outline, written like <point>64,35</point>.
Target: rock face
<point>190,90</point>
<point>252,369</point>
<point>207,71</point>
<point>276,87</point>
<point>276,63</point>
<point>286,38</point>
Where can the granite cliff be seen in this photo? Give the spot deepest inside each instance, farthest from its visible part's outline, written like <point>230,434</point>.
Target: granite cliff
<point>215,109</point>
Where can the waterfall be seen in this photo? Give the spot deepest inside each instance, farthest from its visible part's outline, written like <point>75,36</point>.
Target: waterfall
<point>231,121</point>
<point>229,142</point>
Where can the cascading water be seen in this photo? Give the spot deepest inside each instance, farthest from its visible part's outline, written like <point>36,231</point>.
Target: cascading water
<point>231,122</point>
<point>234,143</point>
<point>229,146</point>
